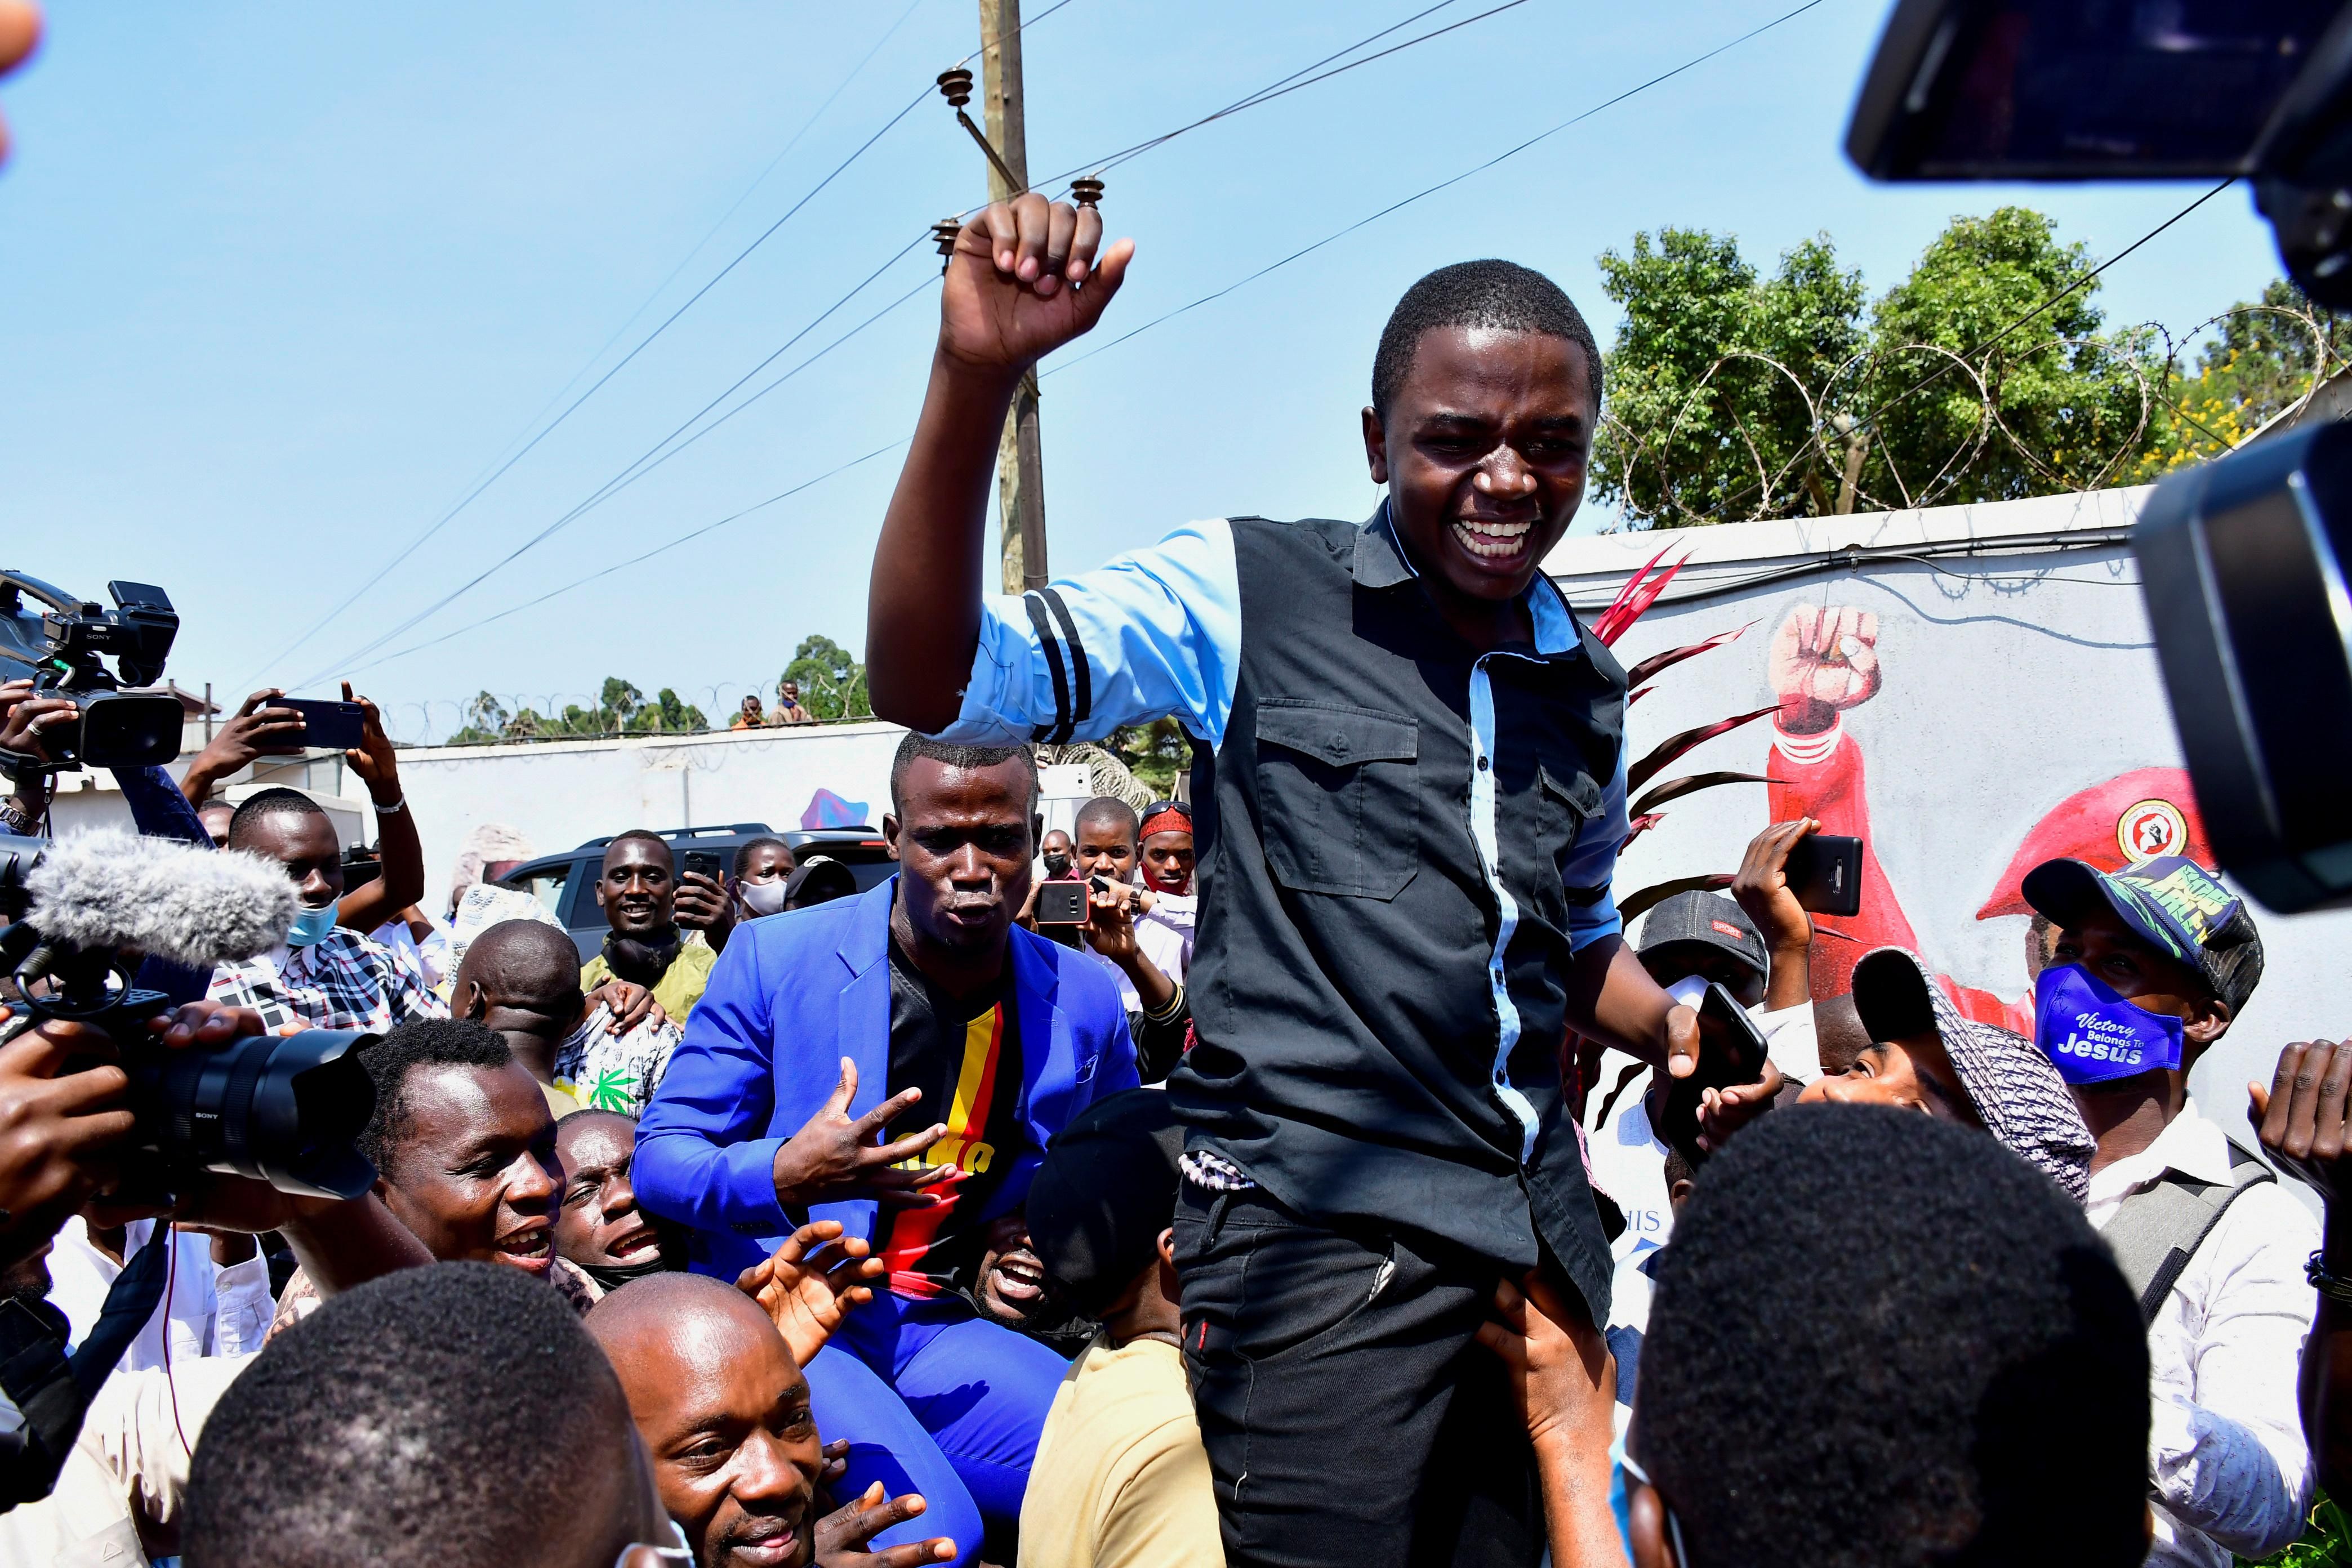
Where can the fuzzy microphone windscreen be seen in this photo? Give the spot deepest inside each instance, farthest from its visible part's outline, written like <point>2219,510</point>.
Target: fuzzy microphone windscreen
<point>193,905</point>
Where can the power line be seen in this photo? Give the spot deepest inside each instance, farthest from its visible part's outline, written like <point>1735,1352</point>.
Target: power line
<point>638,560</point>
<point>1432,190</point>
<point>500,471</point>
<point>1291,84</point>
<point>609,486</point>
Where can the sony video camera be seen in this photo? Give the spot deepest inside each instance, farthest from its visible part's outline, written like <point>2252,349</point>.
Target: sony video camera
<point>284,1109</point>
<point>2242,559</point>
<point>65,647</point>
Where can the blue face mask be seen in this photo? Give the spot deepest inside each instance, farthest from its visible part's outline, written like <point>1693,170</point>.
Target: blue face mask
<point>312,926</point>
<point>2094,1034</point>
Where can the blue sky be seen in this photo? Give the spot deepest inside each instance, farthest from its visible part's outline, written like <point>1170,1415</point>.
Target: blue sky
<point>283,282</point>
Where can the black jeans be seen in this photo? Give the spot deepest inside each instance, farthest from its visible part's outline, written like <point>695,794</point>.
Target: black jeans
<point>1349,1416</point>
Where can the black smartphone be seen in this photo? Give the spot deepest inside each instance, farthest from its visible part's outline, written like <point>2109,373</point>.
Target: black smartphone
<point>1824,870</point>
<point>335,725</point>
<point>702,863</point>
<point>1731,1050</point>
<point>1061,903</point>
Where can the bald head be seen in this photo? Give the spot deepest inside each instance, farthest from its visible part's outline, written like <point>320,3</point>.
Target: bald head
<point>1837,1029</point>
<point>723,1411</point>
<point>522,978</point>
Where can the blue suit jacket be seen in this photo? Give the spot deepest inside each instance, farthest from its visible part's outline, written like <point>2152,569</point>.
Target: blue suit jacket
<point>792,996</point>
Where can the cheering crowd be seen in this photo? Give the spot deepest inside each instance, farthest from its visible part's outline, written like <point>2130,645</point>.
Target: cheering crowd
<point>1272,1209</point>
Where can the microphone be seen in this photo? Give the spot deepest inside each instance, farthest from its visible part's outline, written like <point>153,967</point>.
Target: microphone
<point>160,897</point>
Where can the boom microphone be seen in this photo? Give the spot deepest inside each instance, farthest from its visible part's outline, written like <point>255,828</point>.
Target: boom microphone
<point>157,897</point>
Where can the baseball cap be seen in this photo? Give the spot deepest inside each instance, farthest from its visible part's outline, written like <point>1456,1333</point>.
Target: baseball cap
<point>1710,918</point>
<point>2172,903</point>
<point>2016,1091</point>
<point>1103,1194</point>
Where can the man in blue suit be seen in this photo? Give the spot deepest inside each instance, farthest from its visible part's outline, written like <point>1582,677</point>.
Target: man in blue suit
<point>897,1062</point>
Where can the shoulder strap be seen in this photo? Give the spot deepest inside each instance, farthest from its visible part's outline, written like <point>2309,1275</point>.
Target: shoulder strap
<point>2157,1230</point>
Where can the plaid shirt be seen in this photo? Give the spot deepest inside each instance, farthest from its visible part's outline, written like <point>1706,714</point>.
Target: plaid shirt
<point>345,981</point>
<point>606,1071</point>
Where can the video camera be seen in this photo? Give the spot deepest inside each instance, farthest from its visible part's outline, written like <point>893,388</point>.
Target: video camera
<point>2242,559</point>
<point>283,1109</point>
<point>66,647</point>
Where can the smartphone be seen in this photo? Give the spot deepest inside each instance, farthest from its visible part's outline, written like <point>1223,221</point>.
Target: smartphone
<point>1061,903</point>
<point>1824,870</point>
<point>702,863</point>
<point>335,725</point>
<point>1731,1050</point>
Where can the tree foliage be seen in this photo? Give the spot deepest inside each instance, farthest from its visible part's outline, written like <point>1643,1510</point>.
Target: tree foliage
<point>833,684</point>
<point>621,710</point>
<point>1987,374</point>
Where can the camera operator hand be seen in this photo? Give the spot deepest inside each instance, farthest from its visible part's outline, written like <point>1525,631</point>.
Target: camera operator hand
<point>255,729</point>
<point>21,810</point>
<point>24,717</point>
<point>62,1133</point>
<point>833,1157</point>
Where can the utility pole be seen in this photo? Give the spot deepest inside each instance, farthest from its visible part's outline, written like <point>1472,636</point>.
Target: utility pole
<point>1020,458</point>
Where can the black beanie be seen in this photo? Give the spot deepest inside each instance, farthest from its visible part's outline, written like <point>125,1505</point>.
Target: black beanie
<point>1105,1191</point>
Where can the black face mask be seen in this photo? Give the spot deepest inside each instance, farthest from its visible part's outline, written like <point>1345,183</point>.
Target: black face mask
<point>612,1277</point>
<point>631,956</point>
<point>1057,865</point>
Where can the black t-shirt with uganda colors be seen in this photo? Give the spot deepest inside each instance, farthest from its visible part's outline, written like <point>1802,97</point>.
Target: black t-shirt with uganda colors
<point>964,1054</point>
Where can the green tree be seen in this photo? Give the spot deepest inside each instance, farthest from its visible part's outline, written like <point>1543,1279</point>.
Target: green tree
<point>1154,752</point>
<point>1710,381</point>
<point>2264,356</point>
<point>2070,408</point>
<point>833,684</point>
<point>487,720</point>
<point>1949,389</point>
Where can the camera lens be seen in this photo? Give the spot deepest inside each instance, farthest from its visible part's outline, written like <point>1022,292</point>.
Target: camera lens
<point>283,1109</point>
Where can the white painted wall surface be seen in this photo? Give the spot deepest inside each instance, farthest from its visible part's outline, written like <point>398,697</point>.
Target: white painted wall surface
<point>2013,677</point>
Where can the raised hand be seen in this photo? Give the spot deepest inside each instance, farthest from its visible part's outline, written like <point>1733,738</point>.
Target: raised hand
<point>833,1157</point>
<point>255,729</point>
<point>1824,661</point>
<point>372,758</point>
<point>810,1283</point>
<point>1024,280</point>
<point>2301,1117</point>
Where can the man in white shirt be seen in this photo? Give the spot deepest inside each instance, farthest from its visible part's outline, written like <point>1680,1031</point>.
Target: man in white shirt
<point>218,1302</point>
<point>2148,967</point>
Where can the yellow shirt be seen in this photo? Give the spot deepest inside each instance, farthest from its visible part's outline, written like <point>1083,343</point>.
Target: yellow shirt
<point>1120,1480</point>
<point>681,984</point>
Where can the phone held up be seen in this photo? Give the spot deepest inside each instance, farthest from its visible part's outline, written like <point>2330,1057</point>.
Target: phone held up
<point>1824,870</point>
<point>702,863</point>
<point>337,726</point>
<point>1731,1051</point>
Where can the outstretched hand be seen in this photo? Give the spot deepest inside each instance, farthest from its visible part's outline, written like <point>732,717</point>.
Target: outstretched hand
<point>842,1534</point>
<point>810,1283</point>
<point>1025,281</point>
<point>833,1157</point>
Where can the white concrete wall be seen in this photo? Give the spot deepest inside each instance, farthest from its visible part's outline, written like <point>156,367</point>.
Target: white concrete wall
<point>2013,677</point>
<point>562,793</point>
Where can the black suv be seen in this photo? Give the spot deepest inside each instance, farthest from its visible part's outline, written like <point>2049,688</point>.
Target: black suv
<point>566,883</point>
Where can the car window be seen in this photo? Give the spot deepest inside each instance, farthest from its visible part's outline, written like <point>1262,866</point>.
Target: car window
<point>586,911</point>
<point>546,885</point>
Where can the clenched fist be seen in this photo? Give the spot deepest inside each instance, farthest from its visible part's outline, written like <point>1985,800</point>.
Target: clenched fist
<point>1024,280</point>
<point>1824,661</point>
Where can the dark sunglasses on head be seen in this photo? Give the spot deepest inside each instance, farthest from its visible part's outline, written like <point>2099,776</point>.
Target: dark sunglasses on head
<point>1157,806</point>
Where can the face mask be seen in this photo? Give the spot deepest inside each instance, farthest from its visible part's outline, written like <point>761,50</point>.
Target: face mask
<point>1057,865</point>
<point>762,898</point>
<point>312,926</point>
<point>2094,1034</point>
